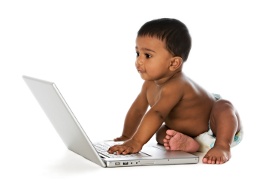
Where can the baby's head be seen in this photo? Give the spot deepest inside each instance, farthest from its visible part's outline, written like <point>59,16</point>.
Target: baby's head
<point>173,32</point>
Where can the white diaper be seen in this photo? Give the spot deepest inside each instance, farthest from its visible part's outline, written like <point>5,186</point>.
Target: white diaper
<point>207,140</point>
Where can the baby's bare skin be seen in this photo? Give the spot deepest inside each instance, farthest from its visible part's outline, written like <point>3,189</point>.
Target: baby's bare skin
<point>177,102</point>
<point>220,153</point>
<point>177,141</point>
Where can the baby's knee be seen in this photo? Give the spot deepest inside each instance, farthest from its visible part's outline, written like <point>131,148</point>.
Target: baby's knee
<point>222,109</point>
<point>222,105</point>
<point>226,109</point>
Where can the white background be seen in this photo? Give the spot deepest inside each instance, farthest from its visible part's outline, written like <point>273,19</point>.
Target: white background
<point>87,49</point>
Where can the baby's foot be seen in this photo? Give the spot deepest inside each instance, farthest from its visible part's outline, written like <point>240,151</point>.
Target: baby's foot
<point>217,155</point>
<point>177,141</point>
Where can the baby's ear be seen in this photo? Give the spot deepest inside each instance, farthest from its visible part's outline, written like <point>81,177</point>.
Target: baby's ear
<point>176,63</point>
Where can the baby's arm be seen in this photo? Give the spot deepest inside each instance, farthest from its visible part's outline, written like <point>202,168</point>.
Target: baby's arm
<point>134,115</point>
<point>153,119</point>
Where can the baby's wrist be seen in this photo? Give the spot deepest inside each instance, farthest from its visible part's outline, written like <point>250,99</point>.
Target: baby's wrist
<point>137,141</point>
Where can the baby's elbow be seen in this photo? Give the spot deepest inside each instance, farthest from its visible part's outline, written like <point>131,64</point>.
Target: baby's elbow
<point>160,114</point>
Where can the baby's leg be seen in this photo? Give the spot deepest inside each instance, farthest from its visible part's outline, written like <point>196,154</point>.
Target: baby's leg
<point>173,140</point>
<point>224,123</point>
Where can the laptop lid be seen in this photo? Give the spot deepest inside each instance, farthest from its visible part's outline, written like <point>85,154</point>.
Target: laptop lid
<point>76,140</point>
<point>62,118</point>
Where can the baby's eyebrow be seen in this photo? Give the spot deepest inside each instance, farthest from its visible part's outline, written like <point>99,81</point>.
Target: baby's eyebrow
<point>146,49</point>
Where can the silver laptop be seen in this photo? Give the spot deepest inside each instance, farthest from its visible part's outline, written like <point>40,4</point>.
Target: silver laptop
<point>76,140</point>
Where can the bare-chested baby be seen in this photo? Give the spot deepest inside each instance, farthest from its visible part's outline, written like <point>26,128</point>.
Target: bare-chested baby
<point>180,109</point>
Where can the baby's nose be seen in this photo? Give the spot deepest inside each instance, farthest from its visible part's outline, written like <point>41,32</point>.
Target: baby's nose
<point>138,62</point>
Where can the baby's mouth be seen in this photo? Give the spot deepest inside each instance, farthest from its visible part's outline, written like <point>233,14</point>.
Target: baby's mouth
<point>139,71</point>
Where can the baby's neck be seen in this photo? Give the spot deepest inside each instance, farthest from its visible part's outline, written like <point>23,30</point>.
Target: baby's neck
<point>166,79</point>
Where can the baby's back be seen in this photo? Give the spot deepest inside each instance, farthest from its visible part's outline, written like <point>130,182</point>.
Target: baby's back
<point>191,113</point>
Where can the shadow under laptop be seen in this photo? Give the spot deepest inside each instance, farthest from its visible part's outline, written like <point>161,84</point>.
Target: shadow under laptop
<point>71,163</point>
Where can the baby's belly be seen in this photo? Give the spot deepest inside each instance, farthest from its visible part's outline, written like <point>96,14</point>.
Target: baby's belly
<point>188,127</point>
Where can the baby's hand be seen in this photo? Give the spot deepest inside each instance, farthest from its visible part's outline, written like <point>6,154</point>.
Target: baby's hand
<point>128,147</point>
<point>121,138</point>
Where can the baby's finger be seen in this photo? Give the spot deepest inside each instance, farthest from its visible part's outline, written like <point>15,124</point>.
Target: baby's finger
<point>117,149</point>
<point>128,150</point>
<point>112,149</point>
<point>120,150</point>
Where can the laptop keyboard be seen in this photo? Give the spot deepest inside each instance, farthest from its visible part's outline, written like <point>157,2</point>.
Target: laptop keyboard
<point>102,149</point>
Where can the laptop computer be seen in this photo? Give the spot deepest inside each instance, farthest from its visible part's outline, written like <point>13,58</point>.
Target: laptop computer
<point>76,140</point>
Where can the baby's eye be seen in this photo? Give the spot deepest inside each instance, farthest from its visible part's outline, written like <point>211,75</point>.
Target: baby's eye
<point>137,54</point>
<point>148,56</point>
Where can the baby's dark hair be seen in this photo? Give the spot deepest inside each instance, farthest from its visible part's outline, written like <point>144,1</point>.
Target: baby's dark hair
<point>173,32</point>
